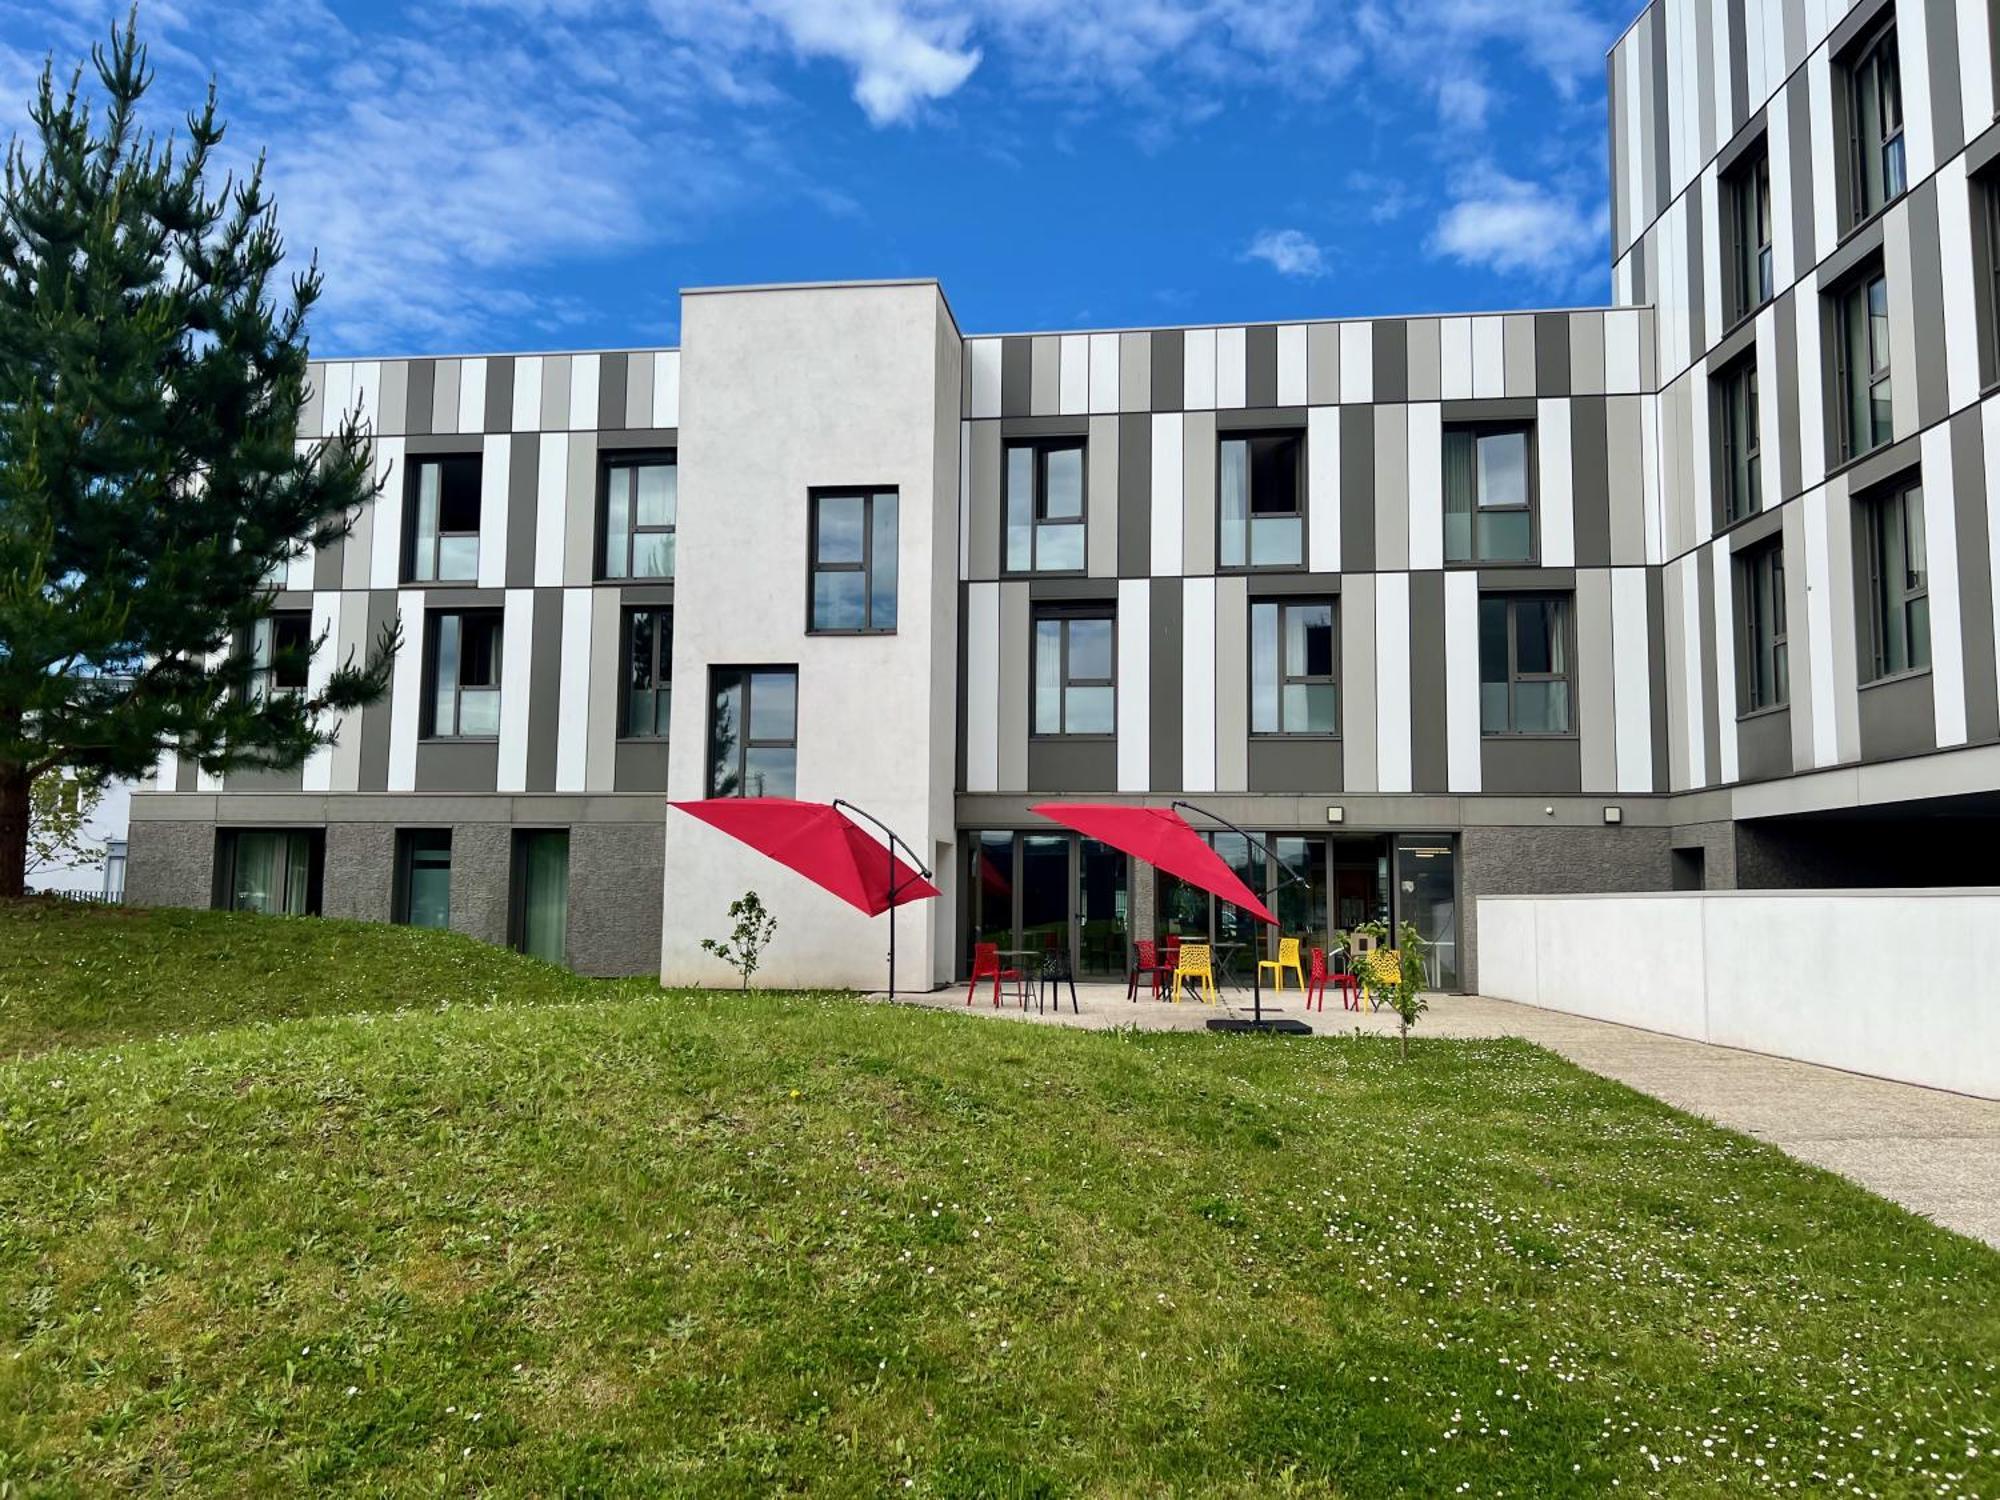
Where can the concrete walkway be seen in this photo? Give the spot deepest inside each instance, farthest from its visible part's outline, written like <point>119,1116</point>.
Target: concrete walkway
<point>1936,1154</point>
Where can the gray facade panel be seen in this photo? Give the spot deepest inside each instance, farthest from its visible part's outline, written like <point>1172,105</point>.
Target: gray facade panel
<point>1712,712</point>
<point>984,516</point>
<point>641,766</point>
<point>1656,628</point>
<point>1426,361</point>
<point>545,691</point>
<point>1308,767</point>
<point>360,871</point>
<point>1590,482</point>
<point>1044,375</point>
<point>373,775</point>
<point>499,412</point>
<point>1975,576</point>
<point>1323,363</point>
<point>1015,645</point>
<point>419,389</point>
<point>1260,365</point>
<point>1392,487</point>
<point>1169,369</point>
<point>395,399</point>
<point>1072,765</point>
<point>1135,495</point>
<point>1198,493</point>
<point>1523,764</point>
<point>1941,36</point>
<point>1016,377</point>
<point>1552,354</point>
<point>1596,687</point>
<point>1763,744</point>
<point>1102,492</point>
<point>1927,300</point>
<point>1357,489</point>
<point>1392,360</point>
<point>1898,717</point>
<point>524,458</point>
<point>457,766</point>
<point>1135,372</point>
<point>611,382</point>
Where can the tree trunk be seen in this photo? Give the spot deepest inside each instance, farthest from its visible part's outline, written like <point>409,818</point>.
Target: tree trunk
<point>13,831</point>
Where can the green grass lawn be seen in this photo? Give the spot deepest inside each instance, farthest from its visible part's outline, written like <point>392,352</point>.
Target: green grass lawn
<point>654,1243</point>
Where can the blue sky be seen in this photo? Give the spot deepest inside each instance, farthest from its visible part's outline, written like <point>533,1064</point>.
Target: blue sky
<point>524,174</point>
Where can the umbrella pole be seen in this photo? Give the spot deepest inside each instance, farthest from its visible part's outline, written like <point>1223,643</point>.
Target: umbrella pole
<point>1292,877</point>
<point>892,839</point>
<point>892,921</point>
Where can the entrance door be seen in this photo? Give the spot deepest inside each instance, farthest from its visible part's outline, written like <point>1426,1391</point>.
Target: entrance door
<point>1427,896</point>
<point>1037,891</point>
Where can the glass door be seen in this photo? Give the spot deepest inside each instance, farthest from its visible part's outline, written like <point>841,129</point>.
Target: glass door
<point>1427,895</point>
<point>543,861</point>
<point>1103,924</point>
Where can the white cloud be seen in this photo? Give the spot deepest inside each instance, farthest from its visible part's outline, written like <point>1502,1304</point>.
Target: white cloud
<point>900,60</point>
<point>1520,228</point>
<point>1289,252</point>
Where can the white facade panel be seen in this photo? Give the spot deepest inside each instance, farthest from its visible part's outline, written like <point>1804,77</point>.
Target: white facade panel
<point>667,388</point>
<point>1455,358</point>
<point>984,355</point>
<point>1073,375</point>
<point>1688,582</point>
<point>1135,677</point>
<point>1231,372</point>
<point>1103,373</point>
<point>982,687</point>
<point>1169,485</point>
<point>1961,310</point>
<point>385,558</point>
<point>1489,357</point>
<point>1941,557</point>
<point>1198,684</point>
<point>1198,369</point>
<point>1819,630</point>
<point>1723,625</point>
<point>495,468</point>
<point>406,692</point>
<point>1357,362</point>
<point>1292,364</point>
<point>1556,500</point>
<point>528,393</point>
<point>573,702</point>
<point>1631,700</point>
<point>1392,682</point>
<point>583,378</point>
<point>1461,681</point>
<point>551,508</point>
<point>472,395</point>
<point>317,773</point>
<point>517,634</point>
<point>1323,489</point>
<point>1426,458</point>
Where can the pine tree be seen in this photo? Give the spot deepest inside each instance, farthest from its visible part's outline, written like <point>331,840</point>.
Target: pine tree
<point>151,480</point>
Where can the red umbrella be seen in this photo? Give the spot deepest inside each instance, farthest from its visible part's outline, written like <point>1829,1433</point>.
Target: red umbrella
<point>822,844</point>
<point>1162,838</point>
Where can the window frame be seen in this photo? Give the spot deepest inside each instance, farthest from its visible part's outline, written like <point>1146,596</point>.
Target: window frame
<point>264,649</point>
<point>1249,437</point>
<point>1752,277</point>
<point>1530,490</point>
<point>1065,616</point>
<point>629,461</point>
<point>1282,679</point>
<point>661,663</point>
<point>1861,67</point>
<point>1733,508</point>
<point>407,840</point>
<point>1753,694</point>
<point>867,495</point>
<point>1851,297</point>
<point>413,518</point>
<point>1882,595</point>
<point>1038,486</point>
<point>1986,271</point>
<point>433,640</point>
<point>745,742</point>
<point>1566,624</point>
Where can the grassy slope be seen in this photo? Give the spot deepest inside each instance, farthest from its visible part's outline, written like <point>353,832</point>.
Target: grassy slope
<point>76,975</point>
<point>724,1245</point>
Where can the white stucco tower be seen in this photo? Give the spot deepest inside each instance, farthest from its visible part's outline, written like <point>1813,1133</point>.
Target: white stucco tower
<point>791,393</point>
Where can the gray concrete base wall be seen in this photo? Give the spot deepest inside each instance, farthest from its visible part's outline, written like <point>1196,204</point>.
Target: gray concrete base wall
<point>617,873</point>
<point>360,871</point>
<point>1717,842</point>
<point>1552,862</point>
<point>482,877</point>
<point>170,864</point>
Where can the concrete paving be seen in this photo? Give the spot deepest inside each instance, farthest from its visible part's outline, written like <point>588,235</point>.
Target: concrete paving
<point>1937,1154</point>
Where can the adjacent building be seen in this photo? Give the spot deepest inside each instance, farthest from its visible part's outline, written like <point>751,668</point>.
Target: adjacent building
<point>1691,591</point>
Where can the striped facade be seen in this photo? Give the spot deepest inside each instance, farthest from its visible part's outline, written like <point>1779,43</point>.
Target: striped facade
<point>1676,762</point>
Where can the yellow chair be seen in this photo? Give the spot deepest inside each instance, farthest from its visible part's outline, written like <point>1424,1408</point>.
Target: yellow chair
<point>1288,958</point>
<point>1194,965</point>
<point>1384,967</point>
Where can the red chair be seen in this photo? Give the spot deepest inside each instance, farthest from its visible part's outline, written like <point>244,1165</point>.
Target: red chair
<point>1320,976</point>
<point>986,964</point>
<point>1149,963</point>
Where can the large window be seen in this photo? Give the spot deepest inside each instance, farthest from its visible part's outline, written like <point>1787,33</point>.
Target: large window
<point>649,673</point>
<point>1263,502</point>
<point>1074,669</point>
<point>1742,445</point>
<point>1987,192</point>
<point>444,520</point>
<point>1294,656</point>
<point>1747,195</point>
<point>1045,507</point>
<point>275,871</point>
<point>1874,123</point>
<point>1899,605</point>
<point>641,509</point>
<point>753,732</point>
<point>1766,670</point>
<point>853,562</point>
<point>1862,388</point>
<point>423,877</point>
<point>1524,673</point>
<point>539,918</point>
<point>280,648</point>
<point>465,676</point>
<point>1488,510</point>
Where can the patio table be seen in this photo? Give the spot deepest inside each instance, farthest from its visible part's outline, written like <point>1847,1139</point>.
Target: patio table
<point>1019,959</point>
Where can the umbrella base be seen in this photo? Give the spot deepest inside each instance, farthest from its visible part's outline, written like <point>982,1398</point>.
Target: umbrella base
<point>1280,1024</point>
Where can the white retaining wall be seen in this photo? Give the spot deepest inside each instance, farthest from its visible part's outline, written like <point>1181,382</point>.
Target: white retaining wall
<point>1898,984</point>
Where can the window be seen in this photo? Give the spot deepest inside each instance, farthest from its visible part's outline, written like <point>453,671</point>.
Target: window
<point>1742,464</point>
<point>1987,256</point>
<point>649,673</point>
<point>1861,366</point>
<point>539,917</point>
<point>1767,681</point>
<point>1524,664</point>
<point>1488,516</point>
<point>423,877</point>
<point>1874,124</point>
<point>280,648</point>
<point>1263,507</point>
<point>1073,668</point>
<point>853,563</point>
<point>1899,606</point>
<point>1293,682</point>
<point>444,520</point>
<point>1747,196</point>
<point>270,870</point>
<point>753,736</point>
<point>465,676</point>
<point>1045,517</point>
<point>641,508</point>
